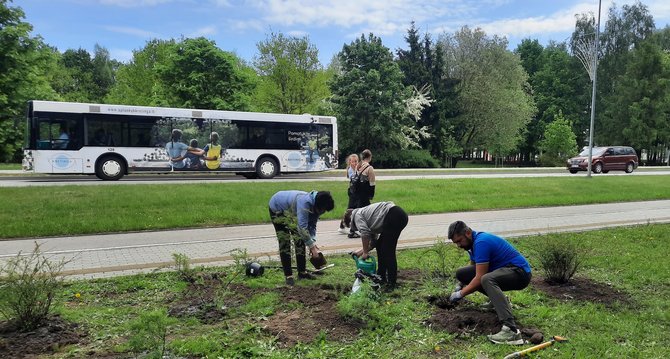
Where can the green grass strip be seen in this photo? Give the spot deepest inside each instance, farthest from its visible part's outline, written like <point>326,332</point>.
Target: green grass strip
<point>72,210</point>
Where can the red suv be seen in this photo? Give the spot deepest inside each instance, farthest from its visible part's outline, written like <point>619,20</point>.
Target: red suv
<point>605,159</point>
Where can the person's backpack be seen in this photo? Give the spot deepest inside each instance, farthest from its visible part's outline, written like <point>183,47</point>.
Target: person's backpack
<point>355,183</point>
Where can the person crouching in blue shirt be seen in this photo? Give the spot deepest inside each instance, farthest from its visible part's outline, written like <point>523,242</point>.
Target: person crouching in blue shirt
<point>294,215</point>
<point>495,266</point>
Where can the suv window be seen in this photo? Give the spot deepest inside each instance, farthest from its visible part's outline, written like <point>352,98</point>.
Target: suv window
<point>619,151</point>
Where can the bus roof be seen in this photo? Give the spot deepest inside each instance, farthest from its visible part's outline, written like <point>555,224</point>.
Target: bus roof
<point>75,107</point>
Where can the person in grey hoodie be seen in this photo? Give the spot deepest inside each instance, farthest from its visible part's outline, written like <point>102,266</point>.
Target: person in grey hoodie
<point>380,225</point>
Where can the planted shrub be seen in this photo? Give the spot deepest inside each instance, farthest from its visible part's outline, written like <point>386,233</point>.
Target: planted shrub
<point>149,333</point>
<point>182,264</point>
<point>440,267</point>
<point>559,260</point>
<point>360,305</point>
<point>28,286</point>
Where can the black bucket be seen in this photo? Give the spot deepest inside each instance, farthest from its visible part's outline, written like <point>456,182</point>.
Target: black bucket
<point>254,269</point>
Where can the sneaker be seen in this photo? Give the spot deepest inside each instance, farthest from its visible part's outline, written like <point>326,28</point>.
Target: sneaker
<point>290,281</point>
<point>343,231</point>
<point>306,275</point>
<point>507,336</point>
<point>354,235</point>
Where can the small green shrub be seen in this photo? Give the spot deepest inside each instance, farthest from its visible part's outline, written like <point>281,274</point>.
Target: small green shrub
<point>182,264</point>
<point>404,159</point>
<point>28,286</point>
<point>149,333</point>
<point>359,306</point>
<point>559,259</point>
<point>440,267</point>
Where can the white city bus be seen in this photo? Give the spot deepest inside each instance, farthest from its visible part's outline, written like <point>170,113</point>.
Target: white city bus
<point>111,141</point>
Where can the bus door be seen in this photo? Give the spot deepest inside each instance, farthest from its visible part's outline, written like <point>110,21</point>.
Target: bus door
<point>61,138</point>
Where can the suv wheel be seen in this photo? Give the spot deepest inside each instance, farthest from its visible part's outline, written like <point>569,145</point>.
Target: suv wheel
<point>573,171</point>
<point>630,167</point>
<point>598,168</point>
<point>266,168</point>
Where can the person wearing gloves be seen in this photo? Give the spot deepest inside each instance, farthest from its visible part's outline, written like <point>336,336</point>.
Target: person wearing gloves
<point>294,215</point>
<point>384,220</point>
<point>495,266</point>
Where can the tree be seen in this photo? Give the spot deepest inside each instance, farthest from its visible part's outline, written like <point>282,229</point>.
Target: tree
<point>24,62</point>
<point>292,79</point>
<point>640,116</point>
<point>559,142</point>
<point>369,96</point>
<point>197,74</point>
<point>494,100</point>
<point>138,82</point>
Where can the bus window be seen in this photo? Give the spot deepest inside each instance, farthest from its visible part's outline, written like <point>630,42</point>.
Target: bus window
<point>58,134</point>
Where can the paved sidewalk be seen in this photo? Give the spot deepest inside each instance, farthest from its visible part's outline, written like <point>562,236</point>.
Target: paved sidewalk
<point>128,253</point>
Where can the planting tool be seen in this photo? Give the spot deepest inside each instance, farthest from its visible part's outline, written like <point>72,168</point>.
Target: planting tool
<point>549,343</point>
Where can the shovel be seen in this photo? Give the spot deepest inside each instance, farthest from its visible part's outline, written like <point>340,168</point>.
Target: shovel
<point>523,353</point>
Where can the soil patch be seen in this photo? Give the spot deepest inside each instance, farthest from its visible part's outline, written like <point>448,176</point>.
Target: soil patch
<point>318,314</point>
<point>200,299</point>
<point>465,321</point>
<point>583,289</point>
<point>54,334</point>
<point>410,276</point>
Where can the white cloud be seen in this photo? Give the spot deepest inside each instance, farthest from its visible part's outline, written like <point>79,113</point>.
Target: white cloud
<point>559,22</point>
<point>297,33</point>
<point>133,3</point>
<point>204,31</point>
<point>132,31</point>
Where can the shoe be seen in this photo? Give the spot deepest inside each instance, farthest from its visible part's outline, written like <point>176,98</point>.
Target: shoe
<point>354,235</point>
<point>507,336</point>
<point>306,275</point>
<point>290,281</point>
<point>343,231</point>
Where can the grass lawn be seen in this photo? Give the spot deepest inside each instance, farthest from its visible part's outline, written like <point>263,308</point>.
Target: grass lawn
<point>10,166</point>
<point>259,317</point>
<point>72,210</point>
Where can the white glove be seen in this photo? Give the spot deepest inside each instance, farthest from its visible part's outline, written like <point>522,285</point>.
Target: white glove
<point>455,296</point>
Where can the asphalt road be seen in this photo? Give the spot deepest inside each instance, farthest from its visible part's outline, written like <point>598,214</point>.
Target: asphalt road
<point>17,179</point>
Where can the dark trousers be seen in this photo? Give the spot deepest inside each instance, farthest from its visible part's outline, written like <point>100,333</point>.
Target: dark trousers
<point>287,233</point>
<point>494,284</point>
<point>355,201</point>
<point>395,221</point>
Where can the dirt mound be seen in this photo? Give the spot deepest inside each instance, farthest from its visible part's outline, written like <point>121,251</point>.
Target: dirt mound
<point>318,314</point>
<point>54,334</point>
<point>465,321</point>
<point>583,289</point>
<point>200,299</point>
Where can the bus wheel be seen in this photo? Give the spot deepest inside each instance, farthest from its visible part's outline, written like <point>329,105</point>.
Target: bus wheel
<point>110,168</point>
<point>266,168</point>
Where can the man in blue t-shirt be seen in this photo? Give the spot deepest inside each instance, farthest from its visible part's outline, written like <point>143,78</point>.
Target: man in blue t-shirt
<point>495,266</point>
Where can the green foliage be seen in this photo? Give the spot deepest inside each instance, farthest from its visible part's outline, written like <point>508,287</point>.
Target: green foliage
<point>182,264</point>
<point>559,143</point>
<point>149,333</point>
<point>292,78</point>
<point>359,306</point>
<point>369,97</point>
<point>404,159</point>
<point>197,74</point>
<point>437,259</point>
<point>559,259</point>
<point>494,103</point>
<point>28,286</point>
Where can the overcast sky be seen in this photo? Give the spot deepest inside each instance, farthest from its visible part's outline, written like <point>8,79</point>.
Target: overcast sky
<point>237,25</point>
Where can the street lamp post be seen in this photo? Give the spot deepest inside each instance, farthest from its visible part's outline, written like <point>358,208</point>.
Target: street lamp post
<point>593,93</point>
